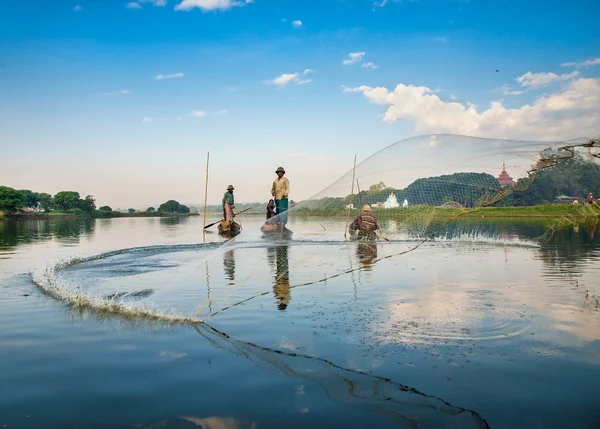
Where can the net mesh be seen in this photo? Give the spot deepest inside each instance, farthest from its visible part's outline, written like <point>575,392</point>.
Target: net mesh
<point>420,190</point>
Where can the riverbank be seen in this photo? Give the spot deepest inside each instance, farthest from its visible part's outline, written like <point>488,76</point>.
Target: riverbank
<point>554,211</point>
<point>98,214</point>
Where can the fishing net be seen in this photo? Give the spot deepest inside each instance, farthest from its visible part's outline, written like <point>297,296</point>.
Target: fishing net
<point>322,287</point>
<point>423,190</point>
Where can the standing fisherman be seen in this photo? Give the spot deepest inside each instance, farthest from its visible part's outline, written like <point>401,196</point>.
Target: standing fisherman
<point>280,190</point>
<point>228,206</point>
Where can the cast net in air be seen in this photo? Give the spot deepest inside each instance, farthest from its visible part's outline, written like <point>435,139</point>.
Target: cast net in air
<point>423,191</point>
<point>314,299</point>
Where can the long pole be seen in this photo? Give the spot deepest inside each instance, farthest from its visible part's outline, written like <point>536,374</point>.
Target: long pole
<point>351,197</point>
<point>206,186</point>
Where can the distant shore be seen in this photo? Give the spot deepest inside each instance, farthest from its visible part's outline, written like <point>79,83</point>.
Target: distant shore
<point>551,211</point>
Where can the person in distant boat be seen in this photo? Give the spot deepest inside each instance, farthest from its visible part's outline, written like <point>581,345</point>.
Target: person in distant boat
<point>590,198</point>
<point>365,223</point>
<point>228,205</point>
<point>281,190</point>
<point>271,212</point>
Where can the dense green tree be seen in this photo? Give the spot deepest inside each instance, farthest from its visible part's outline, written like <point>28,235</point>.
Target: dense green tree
<point>574,177</point>
<point>30,199</point>
<point>131,210</point>
<point>150,209</point>
<point>183,209</point>
<point>170,206</point>
<point>88,204</point>
<point>45,202</point>
<point>66,200</point>
<point>10,199</point>
<point>105,208</point>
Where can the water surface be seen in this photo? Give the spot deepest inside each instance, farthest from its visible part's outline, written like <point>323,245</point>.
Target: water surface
<point>488,325</point>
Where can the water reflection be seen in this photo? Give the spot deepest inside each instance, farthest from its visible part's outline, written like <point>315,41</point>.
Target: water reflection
<point>279,261</point>
<point>229,265</point>
<point>568,252</point>
<point>68,231</point>
<point>170,225</point>
<point>408,407</point>
<point>366,254</point>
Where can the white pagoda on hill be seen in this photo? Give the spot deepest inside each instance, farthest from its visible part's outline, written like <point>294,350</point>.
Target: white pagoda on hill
<point>391,202</point>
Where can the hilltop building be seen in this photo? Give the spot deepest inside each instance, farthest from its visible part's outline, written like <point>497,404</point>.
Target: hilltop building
<point>391,202</point>
<point>504,179</point>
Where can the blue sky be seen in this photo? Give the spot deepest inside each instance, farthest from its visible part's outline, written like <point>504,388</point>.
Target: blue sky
<point>122,100</point>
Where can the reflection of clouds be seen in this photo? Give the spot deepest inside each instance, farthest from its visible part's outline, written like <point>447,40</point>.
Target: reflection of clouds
<point>170,355</point>
<point>220,423</point>
<point>481,295</point>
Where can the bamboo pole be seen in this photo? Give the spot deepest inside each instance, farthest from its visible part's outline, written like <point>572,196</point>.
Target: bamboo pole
<point>351,198</point>
<point>206,187</point>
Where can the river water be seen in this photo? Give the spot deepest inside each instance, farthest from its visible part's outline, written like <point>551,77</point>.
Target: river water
<point>488,326</point>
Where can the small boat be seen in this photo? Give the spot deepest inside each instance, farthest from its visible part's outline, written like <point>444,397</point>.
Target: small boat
<point>275,229</point>
<point>229,231</point>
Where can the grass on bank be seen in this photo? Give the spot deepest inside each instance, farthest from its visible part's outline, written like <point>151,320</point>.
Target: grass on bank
<point>543,211</point>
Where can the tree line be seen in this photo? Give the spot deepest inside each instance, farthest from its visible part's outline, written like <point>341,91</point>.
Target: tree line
<point>11,200</point>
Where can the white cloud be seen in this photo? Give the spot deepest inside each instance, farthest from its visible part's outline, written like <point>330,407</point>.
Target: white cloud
<point>120,91</point>
<point>77,8</point>
<point>587,63</point>
<point>507,90</point>
<point>198,113</point>
<point>133,5</point>
<point>208,5</point>
<point>537,80</point>
<point>287,78</point>
<point>169,76</point>
<point>159,3</point>
<point>147,119</point>
<point>573,111</point>
<point>353,57</point>
<point>369,66</point>
<point>380,4</point>
<point>431,144</point>
<point>220,112</point>
<point>297,23</point>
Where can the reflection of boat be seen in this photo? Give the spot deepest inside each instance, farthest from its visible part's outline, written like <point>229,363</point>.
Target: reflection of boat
<point>276,229</point>
<point>229,231</point>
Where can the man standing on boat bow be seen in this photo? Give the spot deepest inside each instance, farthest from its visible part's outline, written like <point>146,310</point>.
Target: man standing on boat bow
<point>228,206</point>
<point>280,190</point>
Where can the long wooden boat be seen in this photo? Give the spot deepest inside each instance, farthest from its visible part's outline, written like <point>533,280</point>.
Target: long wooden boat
<point>230,231</point>
<point>276,230</point>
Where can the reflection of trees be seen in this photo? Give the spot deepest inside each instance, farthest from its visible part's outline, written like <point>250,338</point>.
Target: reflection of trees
<point>16,232</point>
<point>278,259</point>
<point>569,251</point>
<point>229,265</point>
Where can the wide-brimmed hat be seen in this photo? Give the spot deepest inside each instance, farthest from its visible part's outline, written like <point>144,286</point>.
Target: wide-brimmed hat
<point>366,208</point>
<point>230,188</point>
<point>280,169</point>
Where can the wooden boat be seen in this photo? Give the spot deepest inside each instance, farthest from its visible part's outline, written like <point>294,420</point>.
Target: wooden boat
<point>229,231</point>
<point>275,229</point>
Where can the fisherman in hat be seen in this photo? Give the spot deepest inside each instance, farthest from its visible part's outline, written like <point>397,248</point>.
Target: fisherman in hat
<point>365,223</point>
<point>228,206</point>
<point>280,190</point>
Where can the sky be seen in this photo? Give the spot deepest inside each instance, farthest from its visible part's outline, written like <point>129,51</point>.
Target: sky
<point>123,100</point>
